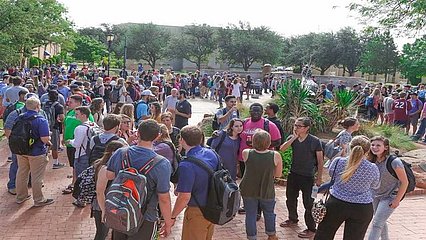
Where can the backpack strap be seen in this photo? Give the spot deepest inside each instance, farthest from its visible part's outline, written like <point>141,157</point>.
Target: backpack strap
<point>389,165</point>
<point>222,139</point>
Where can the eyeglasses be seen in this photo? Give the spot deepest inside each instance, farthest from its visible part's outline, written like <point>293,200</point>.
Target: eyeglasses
<point>299,126</point>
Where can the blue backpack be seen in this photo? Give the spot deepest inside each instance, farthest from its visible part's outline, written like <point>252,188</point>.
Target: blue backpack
<point>369,101</point>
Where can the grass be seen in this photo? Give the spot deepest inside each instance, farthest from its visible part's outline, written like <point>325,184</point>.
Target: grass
<point>397,137</point>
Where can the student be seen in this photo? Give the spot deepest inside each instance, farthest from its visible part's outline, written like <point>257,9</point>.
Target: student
<point>227,146</point>
<point>257,185</point>
<point>183,110</point>
<point>101,186</point>
<point>391,190</point>
<point>307,159</point>
<point>167,119</point>
<point>193,185</point>
<point>350,198</point>
<point>35,163</point>
<point>158,180</point>
<point>229,112</point>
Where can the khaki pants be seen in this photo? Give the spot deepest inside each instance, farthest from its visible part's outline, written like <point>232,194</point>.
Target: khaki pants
<point>36,165</point>
<point>195,226</point>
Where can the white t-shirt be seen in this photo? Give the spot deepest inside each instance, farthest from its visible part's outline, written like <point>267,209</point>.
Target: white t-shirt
<point>236,89</point>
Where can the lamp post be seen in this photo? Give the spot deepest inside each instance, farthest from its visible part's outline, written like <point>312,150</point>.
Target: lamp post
<point>110,38</point>
<point>125,54</point>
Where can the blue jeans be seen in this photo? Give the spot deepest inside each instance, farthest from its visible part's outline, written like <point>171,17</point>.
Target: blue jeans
<point>12,172</point>
<point>80,164</point>
<point>421,130</point>
<point>267,206</point>
<point>382,211</point>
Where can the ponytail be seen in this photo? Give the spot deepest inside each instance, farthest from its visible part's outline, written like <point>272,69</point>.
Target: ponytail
<point>353,163</point>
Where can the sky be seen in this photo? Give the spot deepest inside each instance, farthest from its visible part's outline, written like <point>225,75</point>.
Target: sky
<point>286,17</point>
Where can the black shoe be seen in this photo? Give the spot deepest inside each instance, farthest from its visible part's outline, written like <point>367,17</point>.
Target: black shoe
<point>258,217</point>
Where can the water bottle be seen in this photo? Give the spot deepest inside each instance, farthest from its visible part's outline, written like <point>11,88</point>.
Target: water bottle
<point>314,191</point>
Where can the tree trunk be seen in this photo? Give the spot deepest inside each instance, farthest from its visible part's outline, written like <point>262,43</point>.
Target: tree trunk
<point>323,71</point>
<point>344,71</point>
<point>386,77</point>
<point>199,64</point>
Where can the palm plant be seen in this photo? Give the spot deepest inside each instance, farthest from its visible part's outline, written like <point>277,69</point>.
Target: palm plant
<point>295,100</point>
<point>343,105</point>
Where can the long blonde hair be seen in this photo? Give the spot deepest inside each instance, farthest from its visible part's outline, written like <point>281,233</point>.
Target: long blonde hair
<point>360,145</point>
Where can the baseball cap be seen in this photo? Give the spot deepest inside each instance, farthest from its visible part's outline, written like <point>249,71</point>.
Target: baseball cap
<point>147,93</point>
<point>53,87</point>
<point>30,95</point>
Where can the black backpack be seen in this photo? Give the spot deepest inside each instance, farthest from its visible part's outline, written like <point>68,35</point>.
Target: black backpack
<point>8,110</point>
<point>99,148</point>
<point>49,112</point>
<point>216,123</point>
<point>223,199</point>
<point>175,163</point>
<point>408,171</point>
<point>21,137</point>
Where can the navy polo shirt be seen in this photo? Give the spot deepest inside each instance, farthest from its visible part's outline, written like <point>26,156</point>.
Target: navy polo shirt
<point>40,128</point>
<point>195,180</point>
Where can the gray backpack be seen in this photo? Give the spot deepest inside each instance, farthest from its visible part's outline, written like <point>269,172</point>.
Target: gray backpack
<point>126,199</point>
<point>223,199</point>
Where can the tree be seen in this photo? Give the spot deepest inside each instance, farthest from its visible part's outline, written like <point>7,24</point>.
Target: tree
<point>380,55</point>
<point>413,60</point>
<point>148,42</point>
<point>27,24</point>
<point>89,50</point>
<point>245,45</point>
<point>299,50</point>
<point>195,44</point>
<point>326,54</point>
<point>350,47</point>
<point>404,15</point>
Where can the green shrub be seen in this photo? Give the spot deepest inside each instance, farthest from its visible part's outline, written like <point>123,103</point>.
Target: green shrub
<point>397,137</point>
<point>287,159</point>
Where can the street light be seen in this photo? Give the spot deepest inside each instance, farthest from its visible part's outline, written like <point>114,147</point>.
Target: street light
<point>125,53</point>
<point>110,38</point>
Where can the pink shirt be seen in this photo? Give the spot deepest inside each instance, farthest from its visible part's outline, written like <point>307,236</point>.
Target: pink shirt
<point>250,127</point>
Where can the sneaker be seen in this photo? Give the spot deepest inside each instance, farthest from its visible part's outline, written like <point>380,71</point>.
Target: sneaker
<point>9,159</point>
<point>306,234</point>
<point>12,191</point>
<point>23,200</point>
<point>258,217</point>
<point>272,237</point>
<point>58,165</point>
<point>44,203</point>
<point>288,223</point>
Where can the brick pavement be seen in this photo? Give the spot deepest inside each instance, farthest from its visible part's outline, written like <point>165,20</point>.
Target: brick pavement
<point>62,220</point>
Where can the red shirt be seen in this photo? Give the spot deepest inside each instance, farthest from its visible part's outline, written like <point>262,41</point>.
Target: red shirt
<point>401,108</point>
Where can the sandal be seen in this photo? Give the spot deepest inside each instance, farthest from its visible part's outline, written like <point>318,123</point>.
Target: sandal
<point>68,190</point>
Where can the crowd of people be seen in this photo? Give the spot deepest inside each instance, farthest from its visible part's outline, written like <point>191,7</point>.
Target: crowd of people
<point>109,124</point>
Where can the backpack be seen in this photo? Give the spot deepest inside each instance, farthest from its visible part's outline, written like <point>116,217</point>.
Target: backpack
<point>219,145</point>
<point>85,186</point>
<point>8,110</point>
<point>99,148</point>
<point>135,107</point>
<point>369,101</point>
<point>115,94</point>
<point>21,137</point>
<point>408,171</point>
<point>126,199</point>
<point>96,91</point>
<point>223,199</point>
<point>49,112</point>
<point>216,123</point>
<point>92,131</point>
<point>175,163</point>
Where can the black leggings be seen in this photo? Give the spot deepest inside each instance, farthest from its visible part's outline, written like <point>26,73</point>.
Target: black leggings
<point>356,217</point>
<point>101,228</point>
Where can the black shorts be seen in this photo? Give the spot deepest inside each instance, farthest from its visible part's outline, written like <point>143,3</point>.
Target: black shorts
<point>400,123</point>
<point>70,155</point>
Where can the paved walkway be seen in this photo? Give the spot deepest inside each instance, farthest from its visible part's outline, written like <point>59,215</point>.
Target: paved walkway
<point>62,220</point>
